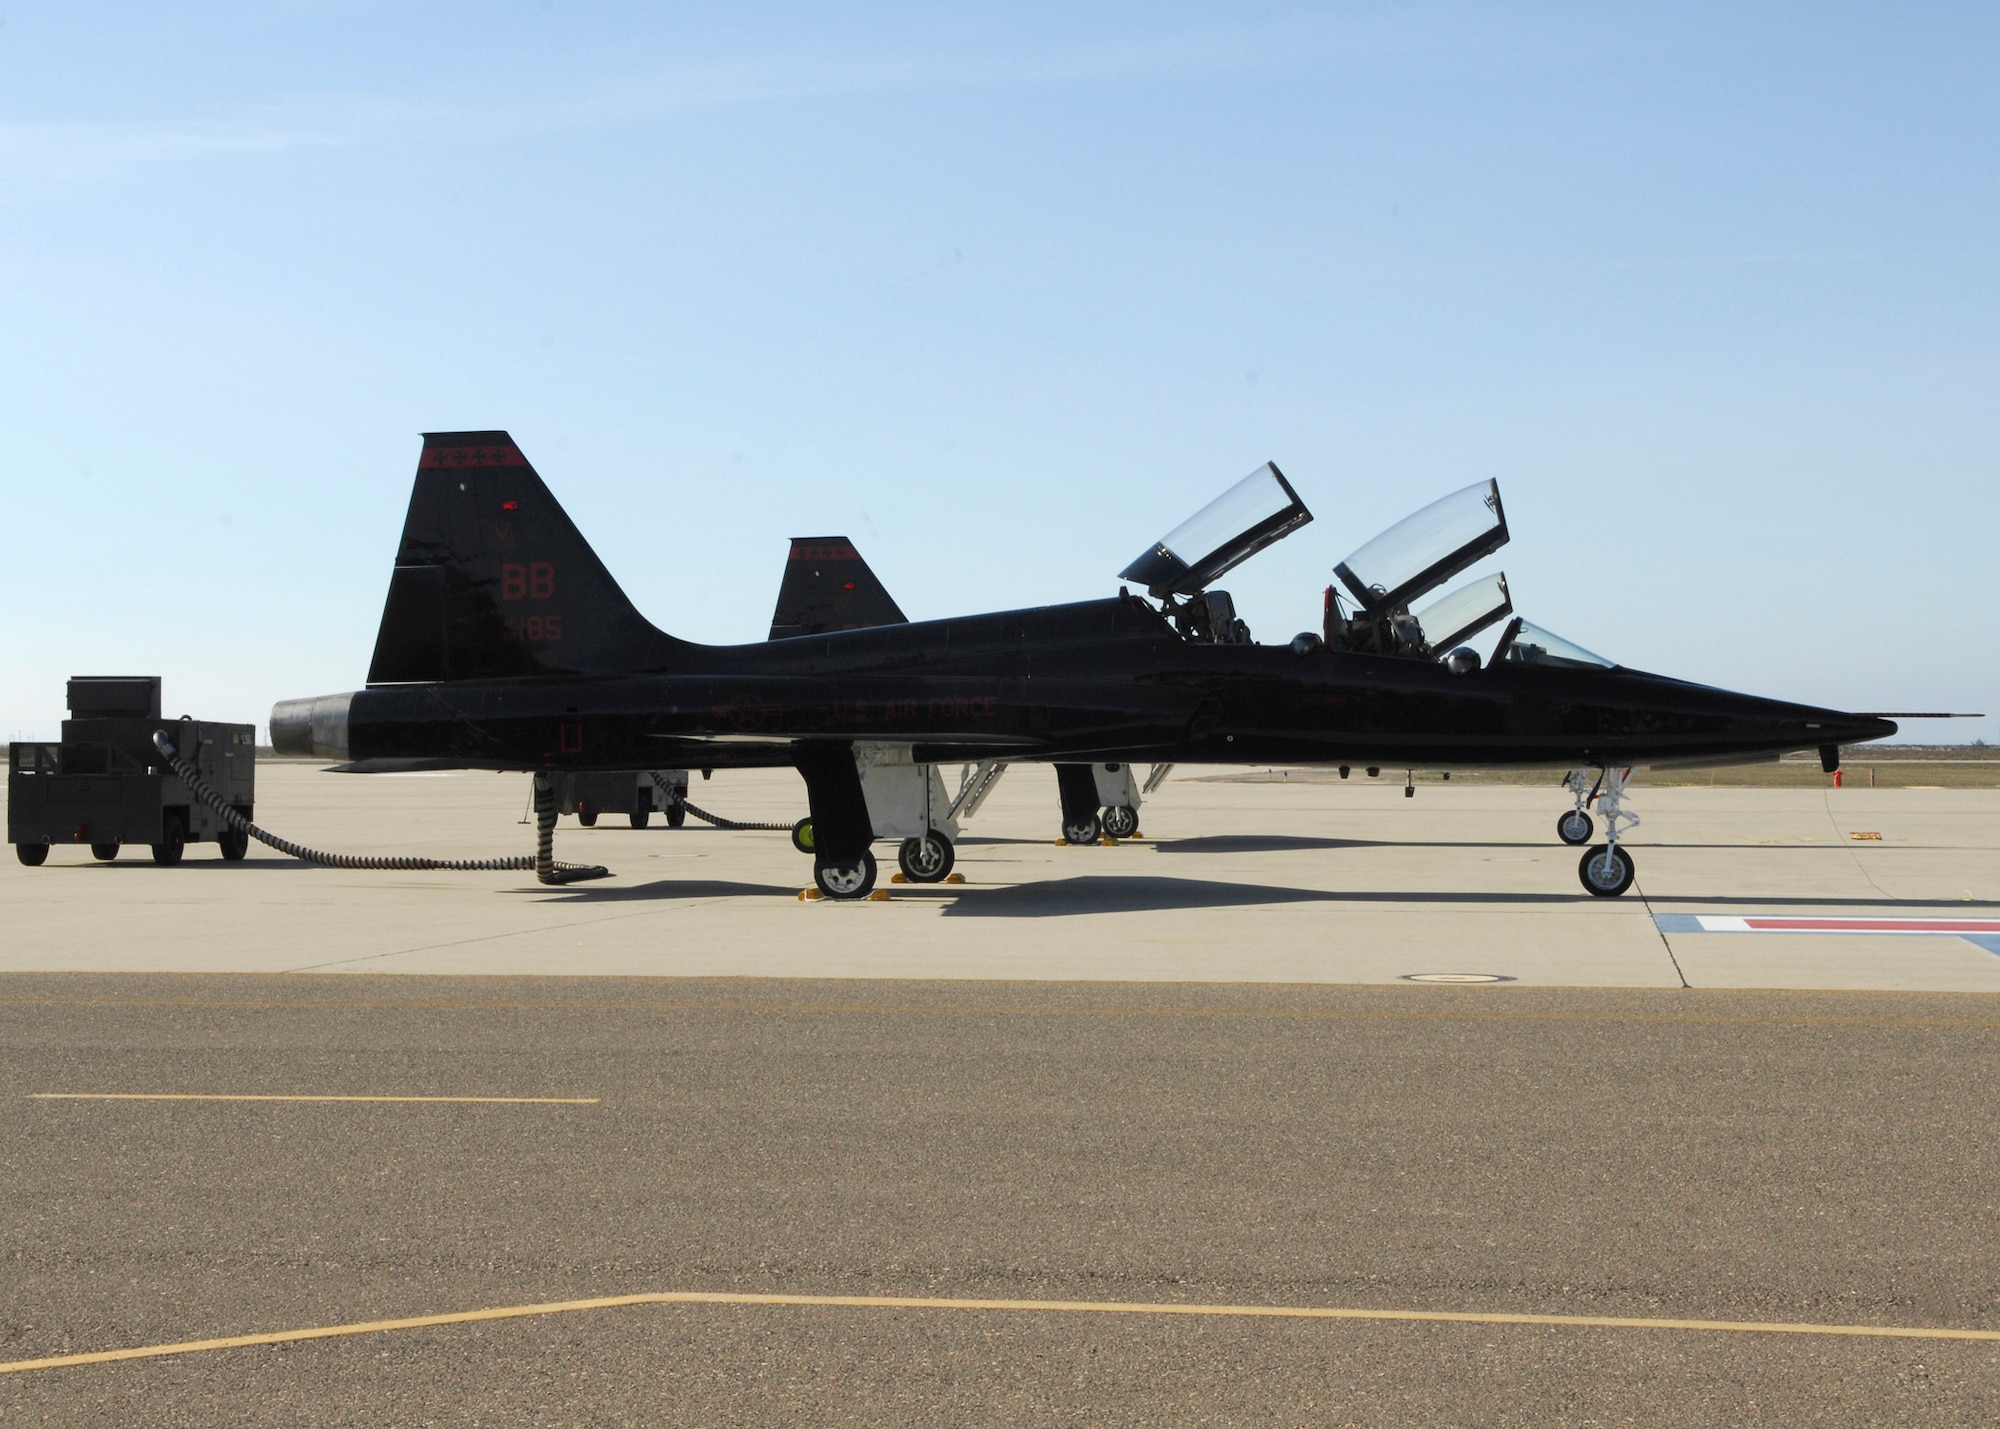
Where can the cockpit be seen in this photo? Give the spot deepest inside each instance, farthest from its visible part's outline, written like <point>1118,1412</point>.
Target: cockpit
<point>1369,608</point>
<point>1177,570</point>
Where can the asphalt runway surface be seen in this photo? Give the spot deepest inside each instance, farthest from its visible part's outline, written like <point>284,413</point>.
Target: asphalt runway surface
<point>1776,1158</point>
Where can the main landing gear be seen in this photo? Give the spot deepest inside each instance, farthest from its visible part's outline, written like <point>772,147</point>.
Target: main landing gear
<point>845,878</point>
<point>1119,821</point>
<point>1087,810</point>
<point>926,860</point>
<point>1607,870</point>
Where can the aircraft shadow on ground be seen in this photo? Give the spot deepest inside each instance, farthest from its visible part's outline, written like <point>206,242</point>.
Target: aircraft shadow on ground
<point>1140,894</point>
<point>1261,843</point>
<point>660,890</point>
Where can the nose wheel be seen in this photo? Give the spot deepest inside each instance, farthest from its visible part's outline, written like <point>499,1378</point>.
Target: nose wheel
<point>1607,870</point>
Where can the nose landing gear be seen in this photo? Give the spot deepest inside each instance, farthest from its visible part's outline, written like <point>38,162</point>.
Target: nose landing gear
<point>1607,870</point>
<point>1576,827</point>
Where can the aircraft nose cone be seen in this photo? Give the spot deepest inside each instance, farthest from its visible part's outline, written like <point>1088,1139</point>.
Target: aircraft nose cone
<point>1838,728</point>
<point>1862,728</point>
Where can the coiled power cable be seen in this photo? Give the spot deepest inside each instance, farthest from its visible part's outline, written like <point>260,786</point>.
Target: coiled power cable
<point>543,863</point>
<point>707,818</point>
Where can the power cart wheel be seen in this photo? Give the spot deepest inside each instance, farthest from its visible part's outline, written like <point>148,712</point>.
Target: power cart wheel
<point>846,881</point>
<point>1119,821</point>
<point>1575,827</point>
<point>173,841</point>
<point>1082,831</point>
<point>104,853</point>
<point>1606,872</point>
<point>586,817</point>
<point>233,844</point>
<point>641,817</point>
<point>677,813</point>
<point>802,836</point>
<point>926,860</point>
<point>33,855</point>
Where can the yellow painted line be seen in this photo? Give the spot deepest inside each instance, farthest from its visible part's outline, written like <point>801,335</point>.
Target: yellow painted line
<point>1059,1307</point>
<point>266,1097</point>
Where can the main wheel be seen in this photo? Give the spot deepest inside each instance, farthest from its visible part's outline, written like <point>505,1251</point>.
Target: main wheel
<point>925,860</point>
<point>677,813</point>
<point>640,818</point>
<point>586,817</point>
<point>233,843</point>
<point>173,841</point>
<point>802,836</point>
<point>1606,871</point>
<point>104,853</point>
<point>1083,831</point>
<point>33,855</point>
<point>1575,827</point>
<point>846,880</point>
<point>1120,821</point>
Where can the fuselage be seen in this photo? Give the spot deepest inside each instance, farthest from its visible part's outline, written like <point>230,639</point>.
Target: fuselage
<point>1106,679</point>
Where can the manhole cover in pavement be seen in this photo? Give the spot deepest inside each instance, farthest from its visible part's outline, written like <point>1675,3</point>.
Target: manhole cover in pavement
<point>1455,977</point>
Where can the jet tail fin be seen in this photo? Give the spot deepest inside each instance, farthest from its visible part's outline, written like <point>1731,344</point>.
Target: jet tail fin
<point>493,580</point>
<point>827,586</point>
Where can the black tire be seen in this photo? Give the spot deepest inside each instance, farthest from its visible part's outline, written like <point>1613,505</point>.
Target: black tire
<point>846,881</point>
<point>173,841</point>
<point>33,855</point>
<point>802,836</point>
<point>1575,827</point>
<point>104,853</point>
<point>587,817</point>
<point>677,813</point>
<point>1606,872</point>
<point>233,844</point>
<point>1083,831</point>
<point>1120,821</point>
<point>641,817</point>
<point>926,860</point>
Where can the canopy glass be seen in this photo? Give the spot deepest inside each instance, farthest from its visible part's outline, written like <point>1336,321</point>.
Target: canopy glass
<point>1253,513</point>
<point>1464,612</point>
<point>1426,549</point>
<point>1526,644</point>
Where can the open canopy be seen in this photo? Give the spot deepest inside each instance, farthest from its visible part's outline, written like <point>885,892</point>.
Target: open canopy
<point>1259,509</point>
<point>1464,612</point>
<point>1427,548</point>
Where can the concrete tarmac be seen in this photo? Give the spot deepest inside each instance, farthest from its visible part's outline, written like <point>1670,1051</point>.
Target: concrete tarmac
<point>1154,1073</point>
<point>1235,882</point>
<point>1689,1155</point>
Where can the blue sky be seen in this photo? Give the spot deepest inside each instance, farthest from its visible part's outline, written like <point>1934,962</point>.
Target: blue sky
<point>1003,294</point>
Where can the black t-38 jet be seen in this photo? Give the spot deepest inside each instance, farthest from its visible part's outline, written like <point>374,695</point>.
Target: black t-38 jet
<point>505,644</point>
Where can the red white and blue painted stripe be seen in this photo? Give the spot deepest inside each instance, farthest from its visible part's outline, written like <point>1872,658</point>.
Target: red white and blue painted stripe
<point>1985,932</point>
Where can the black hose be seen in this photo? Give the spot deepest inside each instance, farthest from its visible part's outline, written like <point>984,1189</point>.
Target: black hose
<point>542,864</point>
<point>707,818</point>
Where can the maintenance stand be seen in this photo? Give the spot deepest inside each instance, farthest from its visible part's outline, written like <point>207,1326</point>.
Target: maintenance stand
<point>104,784</point>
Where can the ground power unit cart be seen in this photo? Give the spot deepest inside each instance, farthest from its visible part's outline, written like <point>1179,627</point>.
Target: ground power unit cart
<point>104,785</point>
